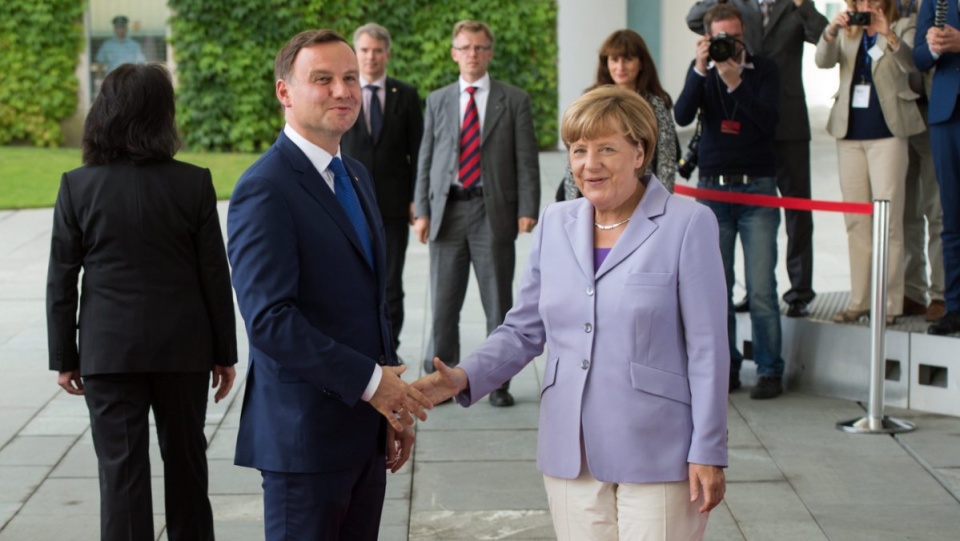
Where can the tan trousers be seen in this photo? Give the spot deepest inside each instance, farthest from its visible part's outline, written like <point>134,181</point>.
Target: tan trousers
<point>584,509</point>
<point>874,169</point>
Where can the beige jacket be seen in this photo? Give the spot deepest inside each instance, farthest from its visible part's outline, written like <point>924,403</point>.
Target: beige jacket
<point>890,79</point>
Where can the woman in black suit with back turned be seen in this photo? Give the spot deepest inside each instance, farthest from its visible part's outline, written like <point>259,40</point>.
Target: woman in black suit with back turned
<point>156,309</point>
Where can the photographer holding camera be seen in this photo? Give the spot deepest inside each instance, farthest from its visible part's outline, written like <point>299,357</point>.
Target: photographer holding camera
<point>738,96</point>
<point>874,114</point>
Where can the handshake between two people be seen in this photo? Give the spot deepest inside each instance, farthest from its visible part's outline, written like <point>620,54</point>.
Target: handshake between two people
<point>399,402</point>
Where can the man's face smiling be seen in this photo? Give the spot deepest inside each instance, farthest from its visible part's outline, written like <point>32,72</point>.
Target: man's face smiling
<point>321,99</point>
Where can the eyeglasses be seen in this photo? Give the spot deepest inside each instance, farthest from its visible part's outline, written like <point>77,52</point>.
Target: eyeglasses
<point>476,48</point>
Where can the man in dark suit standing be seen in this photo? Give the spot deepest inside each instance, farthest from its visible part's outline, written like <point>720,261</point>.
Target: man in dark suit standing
<point>938,46</point>
<point>478,184</point>
<point>777,29</point>
<point>385,140</point>
<point>325,410</point>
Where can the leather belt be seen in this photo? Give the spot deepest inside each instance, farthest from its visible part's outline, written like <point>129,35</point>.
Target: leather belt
<point>729,180</point>
<point>457,193</point>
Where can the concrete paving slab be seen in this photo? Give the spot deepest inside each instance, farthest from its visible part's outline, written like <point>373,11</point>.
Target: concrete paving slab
<point>721,526</point>
<point>892,522</point>
<point>79,461</point>
<point>455,486</point>
<point>469,446</point>
<point>67,498</point>
<point>771,510</point>
<point>17,483</point>
<point>751,464</point>
<point>471,525</point>
<point>237,508</point>
<point>482,416</point>
<point>35,450</point>
<point>226,478</point>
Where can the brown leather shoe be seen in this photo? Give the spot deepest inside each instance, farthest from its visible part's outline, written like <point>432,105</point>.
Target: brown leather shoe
<point>935,311</point>
<point>913,308</point>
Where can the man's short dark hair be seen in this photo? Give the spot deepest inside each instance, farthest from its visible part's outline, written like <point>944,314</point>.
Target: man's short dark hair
<point>722,12</point>
<point>284,61</point>
<point>132,118</point>
<point>120,20</point>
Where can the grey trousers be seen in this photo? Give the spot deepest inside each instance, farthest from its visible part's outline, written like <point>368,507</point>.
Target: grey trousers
<point>922,225</point>
<point>465,238</point>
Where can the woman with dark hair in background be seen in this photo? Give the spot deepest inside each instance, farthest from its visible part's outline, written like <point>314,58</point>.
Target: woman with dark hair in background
<point>156,310</point>
<point>625,61</point>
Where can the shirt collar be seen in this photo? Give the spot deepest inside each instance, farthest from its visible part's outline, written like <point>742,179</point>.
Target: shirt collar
<point>318,157</point>
<point>381,82</point>
<point>482,83</point>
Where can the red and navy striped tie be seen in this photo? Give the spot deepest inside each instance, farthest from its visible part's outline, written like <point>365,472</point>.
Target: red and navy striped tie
<point>470,144</point>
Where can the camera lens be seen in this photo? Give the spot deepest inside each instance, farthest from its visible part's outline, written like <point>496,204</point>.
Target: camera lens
<point>722,47</point>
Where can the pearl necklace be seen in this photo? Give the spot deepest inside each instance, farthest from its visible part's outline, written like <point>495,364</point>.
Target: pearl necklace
<point>602,227</point>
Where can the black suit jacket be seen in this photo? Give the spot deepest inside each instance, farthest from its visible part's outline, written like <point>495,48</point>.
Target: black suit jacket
<point>156,286</point>
<point>392,160</point>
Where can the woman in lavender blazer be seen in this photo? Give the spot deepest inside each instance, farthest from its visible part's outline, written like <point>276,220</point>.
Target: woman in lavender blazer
<point>625,287</point>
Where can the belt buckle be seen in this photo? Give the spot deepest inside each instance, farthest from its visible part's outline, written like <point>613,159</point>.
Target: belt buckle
<point>731,180</point>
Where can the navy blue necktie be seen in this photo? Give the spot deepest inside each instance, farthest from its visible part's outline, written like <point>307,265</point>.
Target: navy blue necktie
<point>347,197</point>
<point>376,113</point>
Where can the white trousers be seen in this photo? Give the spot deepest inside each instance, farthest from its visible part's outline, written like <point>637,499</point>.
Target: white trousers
<point>584,509</point>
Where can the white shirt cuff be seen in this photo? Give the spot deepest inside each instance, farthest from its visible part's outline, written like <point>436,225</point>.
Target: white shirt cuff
<point>374,383</point>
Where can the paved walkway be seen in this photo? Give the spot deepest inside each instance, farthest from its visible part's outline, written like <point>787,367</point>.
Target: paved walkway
<point>792,475</point>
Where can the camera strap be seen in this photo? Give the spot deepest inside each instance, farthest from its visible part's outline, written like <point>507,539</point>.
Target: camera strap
<point>728,124</point>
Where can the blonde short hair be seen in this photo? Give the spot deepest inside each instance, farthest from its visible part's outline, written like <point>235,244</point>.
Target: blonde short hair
<point>471,26</point>
<point>610,109</point>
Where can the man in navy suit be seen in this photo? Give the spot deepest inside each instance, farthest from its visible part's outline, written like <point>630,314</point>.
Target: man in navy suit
<point>940,48</point>
<point>386,140</point>
<point>325,411</point>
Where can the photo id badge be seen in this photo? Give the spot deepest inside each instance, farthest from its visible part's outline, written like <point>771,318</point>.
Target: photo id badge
<point>861,96</point>
<point>730,127</point>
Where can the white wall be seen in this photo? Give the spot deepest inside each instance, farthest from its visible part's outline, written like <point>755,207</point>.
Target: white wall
<point>581,28</point>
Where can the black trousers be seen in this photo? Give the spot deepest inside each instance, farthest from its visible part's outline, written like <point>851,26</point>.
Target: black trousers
<point>793,180</point>
<point>119,405</point>
<point>397,232</point>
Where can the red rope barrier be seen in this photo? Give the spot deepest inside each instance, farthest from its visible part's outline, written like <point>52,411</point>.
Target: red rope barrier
<point>794,203</point>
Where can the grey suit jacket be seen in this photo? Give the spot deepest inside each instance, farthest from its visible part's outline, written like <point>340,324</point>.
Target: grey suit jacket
<point>509,165</point>
<point>781,41</point>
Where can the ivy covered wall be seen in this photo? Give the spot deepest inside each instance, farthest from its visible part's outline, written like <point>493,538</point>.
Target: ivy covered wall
<point>40,42</point>
<point>225,52</point>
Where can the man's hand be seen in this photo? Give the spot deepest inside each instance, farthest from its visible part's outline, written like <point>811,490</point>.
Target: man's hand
<point>70,381</point>
<point>223,377</point>
<point>798,3</point>
<point>703,54</point>
<point>946,40</point>
<point>399,445</point>
<point>729,71</point>
<point>421,229</point>
<point>445,383</point>
<point>398,401</point>
<point>526,224</point>
<point>712,482</point>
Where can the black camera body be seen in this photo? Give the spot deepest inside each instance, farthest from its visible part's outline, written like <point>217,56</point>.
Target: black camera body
<point>722,47</point>
<point>688,162</point>
<point>859,18</point>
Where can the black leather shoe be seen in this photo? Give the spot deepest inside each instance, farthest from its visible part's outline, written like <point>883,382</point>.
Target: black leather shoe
<point>798,309</point>
<point>767,387</point>
<point>743,306</point>
<point>501,398</point>
<point>948,324</point>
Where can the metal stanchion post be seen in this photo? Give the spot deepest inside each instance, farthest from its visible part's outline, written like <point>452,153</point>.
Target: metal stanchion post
<point>876,422</point>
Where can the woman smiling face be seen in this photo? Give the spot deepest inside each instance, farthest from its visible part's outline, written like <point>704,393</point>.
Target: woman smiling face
<point>605,170</point>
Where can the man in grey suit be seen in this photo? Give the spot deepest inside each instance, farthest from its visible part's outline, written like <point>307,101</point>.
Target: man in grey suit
<point>777,30</point>
<point>478,185</point>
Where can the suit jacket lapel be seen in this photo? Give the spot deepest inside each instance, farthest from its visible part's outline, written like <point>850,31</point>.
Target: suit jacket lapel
<point>639,228</point>
<point>390,101</point>
<point>579,228</point>
<point>777,9</point>
<point>495,108</point>
<point>314,184</point>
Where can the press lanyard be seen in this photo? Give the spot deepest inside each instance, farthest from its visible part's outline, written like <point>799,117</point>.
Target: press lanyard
<point>728,125</point>
<point>867,44</point>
